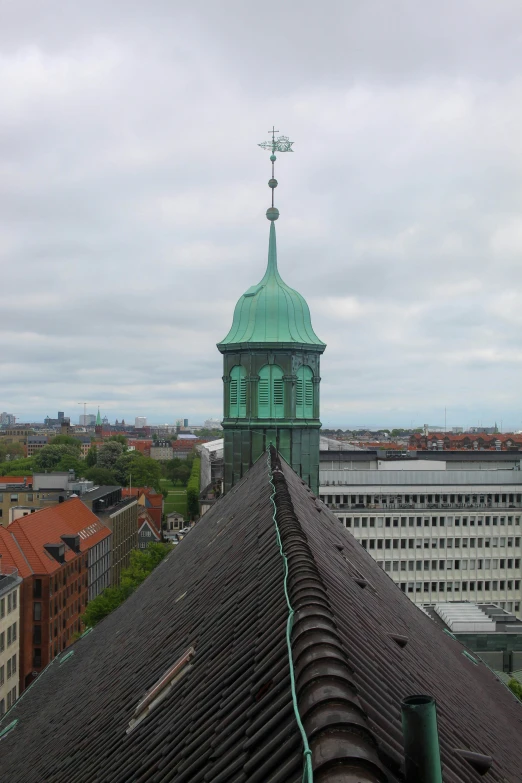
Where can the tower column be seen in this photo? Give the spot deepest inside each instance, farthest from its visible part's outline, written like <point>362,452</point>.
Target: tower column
<point>226,395</point>
<point>316,380</point>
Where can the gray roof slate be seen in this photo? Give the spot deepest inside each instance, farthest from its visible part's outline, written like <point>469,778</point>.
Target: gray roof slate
<point>230,718</point>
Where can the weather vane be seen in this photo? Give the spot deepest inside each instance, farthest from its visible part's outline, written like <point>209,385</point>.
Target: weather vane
<point>281,144</point>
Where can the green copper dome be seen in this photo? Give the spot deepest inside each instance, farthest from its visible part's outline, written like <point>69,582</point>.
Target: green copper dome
<point>271,312</point>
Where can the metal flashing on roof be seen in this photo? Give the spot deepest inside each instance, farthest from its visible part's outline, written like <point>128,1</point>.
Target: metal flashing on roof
<point>161,689</point>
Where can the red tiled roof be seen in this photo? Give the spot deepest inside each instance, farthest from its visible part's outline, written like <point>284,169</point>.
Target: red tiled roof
<point>133,492</point>
<point>17,480</point>
<point>30,534</point>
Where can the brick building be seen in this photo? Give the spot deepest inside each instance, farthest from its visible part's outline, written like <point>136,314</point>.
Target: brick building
<point>50,549</point>
<point>444,441</point>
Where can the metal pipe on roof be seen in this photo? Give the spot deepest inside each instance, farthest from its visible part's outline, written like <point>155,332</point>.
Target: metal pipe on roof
<point>421,740</point>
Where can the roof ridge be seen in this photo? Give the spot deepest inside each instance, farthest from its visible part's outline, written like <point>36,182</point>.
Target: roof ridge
<point>336,726</point>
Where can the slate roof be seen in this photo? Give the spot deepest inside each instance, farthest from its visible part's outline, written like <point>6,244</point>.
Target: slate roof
<point>230,717</point>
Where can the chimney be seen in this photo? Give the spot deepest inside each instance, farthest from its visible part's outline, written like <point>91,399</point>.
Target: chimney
<point>57,551</point>
<point>72,541</point>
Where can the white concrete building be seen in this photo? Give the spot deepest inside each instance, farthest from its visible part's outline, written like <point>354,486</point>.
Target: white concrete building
<point>140,421</point>
<point>9,637</point>
<point>442,535</point>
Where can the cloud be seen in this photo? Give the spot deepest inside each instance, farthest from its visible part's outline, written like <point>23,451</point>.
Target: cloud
<point>132,200</point>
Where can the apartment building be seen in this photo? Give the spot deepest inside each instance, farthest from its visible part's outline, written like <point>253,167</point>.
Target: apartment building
<point>441,534</point>
<point>50,549</point>
<point>10,583</point>
<point>162,450</point>
<point>121,517</point>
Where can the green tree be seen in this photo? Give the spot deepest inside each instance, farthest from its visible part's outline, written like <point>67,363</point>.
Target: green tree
<point>108,454</point>
<point>193,490</point>
<point>143,471</point>
<point>101,476</point>
<point>103,604</point>
<point>92,457</point>
<point>22,467</point>
<point>11,451</point>
<point>118,438</point>
<point>178,470</point>
<point>68,462</point>
<point>49,457</point>
<point>515,687</point>
<point>66,440</point>
<point>142,563</point>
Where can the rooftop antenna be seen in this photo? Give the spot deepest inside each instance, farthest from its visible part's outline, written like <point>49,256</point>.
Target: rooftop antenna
<point>85,410</point>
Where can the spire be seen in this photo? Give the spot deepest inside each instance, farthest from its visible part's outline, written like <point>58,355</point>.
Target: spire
<point>271,312</point>
<point>98,418</point>
<point>271,269</point>
<point>281,144</point>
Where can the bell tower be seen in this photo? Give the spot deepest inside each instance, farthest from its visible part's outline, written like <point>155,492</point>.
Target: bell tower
<point>271,377</point>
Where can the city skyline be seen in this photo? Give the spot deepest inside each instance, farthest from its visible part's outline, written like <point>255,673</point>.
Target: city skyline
<point>399,214</point>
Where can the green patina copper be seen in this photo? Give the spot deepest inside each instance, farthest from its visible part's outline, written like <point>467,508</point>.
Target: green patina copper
<point>271,312</point>
<point>271,373</point>
<point>98,419</point>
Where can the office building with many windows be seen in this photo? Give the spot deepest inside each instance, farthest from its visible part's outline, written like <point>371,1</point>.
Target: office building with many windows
<point>442,535</point>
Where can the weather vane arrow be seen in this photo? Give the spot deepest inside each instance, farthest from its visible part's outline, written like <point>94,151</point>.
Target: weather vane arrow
<point>281,144</point>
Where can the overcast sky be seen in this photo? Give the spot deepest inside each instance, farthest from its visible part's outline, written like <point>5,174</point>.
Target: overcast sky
<point>132,201</point>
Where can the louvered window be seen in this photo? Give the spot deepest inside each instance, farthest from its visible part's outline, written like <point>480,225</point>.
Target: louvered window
<point>309,394</point>
<point>278,392</point>
<point>233,393</point>
<point>264,398</point>
<point>237,392</point>
<point>271,392</point>
<point>242,393</point>
<point>299,393</point>
<point>304,394</point>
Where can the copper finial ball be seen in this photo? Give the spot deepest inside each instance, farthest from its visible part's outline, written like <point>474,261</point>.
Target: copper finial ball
<point>272,213</point>
<point>272,183</point>
<point>273,158</point>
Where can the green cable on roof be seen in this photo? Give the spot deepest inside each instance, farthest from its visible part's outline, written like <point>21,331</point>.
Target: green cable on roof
<point>307,753</point>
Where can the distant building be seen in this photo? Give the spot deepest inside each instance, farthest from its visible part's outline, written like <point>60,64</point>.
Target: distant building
<point>35,443</point>
<point>143,445</point>
<point>20,491</point>
<point>162,450</point>
<point>7,419</point>
<point>445,441</point>
<point>148,533</point>
<point>10,582</point>
<point>174,522</point>
<point>139,422</point>
<point>487,629</point>
<point>212,424</point>
<point>87,420</point>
